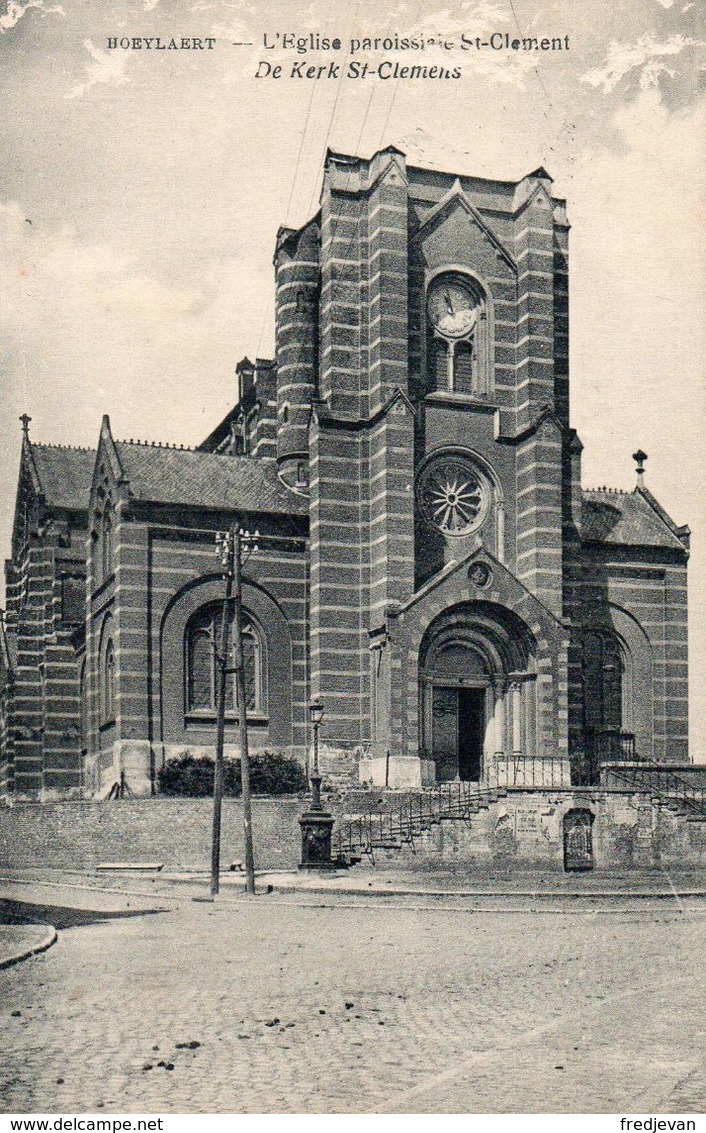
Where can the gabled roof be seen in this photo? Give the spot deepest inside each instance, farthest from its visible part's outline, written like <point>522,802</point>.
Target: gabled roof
<point>457,196</point>
<point>507,589</point>
<point>625,518</point>
<point>63,474</point>
<point>540,174</point>
<point>204,479</point>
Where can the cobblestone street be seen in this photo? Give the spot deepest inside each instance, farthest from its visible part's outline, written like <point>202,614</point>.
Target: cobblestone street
<point>276,1005</point>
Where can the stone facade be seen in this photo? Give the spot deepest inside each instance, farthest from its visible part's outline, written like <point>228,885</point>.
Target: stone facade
<point>42,650</point>
<point>429,566</point>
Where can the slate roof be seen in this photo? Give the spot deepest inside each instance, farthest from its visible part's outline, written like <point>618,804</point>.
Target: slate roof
<point>65,475</point>
<point>203,479</point>
<point>624,518</point>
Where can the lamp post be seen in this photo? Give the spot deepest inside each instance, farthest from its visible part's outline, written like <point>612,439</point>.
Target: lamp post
<point>316,823</point>
<point>316,715</point>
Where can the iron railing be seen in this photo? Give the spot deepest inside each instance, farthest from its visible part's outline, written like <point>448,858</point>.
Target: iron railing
<point>601,746</point>
<point>390,830</point>
<point>666,786</point>
<point>527,771</point>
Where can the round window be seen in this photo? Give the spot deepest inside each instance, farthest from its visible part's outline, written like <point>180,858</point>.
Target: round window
<point>453,496</point>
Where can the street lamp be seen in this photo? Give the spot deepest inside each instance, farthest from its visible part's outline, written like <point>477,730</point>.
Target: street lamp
<point>316,823</point>
<point>316,715</point>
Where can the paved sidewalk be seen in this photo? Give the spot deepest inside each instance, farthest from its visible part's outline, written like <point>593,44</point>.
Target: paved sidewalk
<point>19,942</point>
<point>367,880</point>
<point>66,900</point>
<point>74,898</point>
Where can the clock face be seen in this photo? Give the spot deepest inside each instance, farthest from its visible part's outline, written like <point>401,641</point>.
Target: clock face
<point>452,307</point>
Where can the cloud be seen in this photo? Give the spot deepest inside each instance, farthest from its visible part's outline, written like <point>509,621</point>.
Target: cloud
<point>644,56</point>
<point>140,296</point>
<point>107,67</point>
<point>53,278</point>
<point>16,10</point>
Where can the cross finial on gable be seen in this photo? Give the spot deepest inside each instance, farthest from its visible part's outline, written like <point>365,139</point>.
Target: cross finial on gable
<point>25,419</point>
<point>640,457</point>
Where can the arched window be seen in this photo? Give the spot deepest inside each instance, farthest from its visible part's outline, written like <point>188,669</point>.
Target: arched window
<point>106,550</point>
<point>108,684</point>
<point>201,646</point>
<point>603,681</point>
<point>607,699</point>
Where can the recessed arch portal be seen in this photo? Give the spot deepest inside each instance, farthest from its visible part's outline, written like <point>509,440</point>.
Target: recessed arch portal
<point>477,689</point>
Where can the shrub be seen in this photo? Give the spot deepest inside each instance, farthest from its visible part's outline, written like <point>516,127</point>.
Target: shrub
<point>271,773</point>
<point>186,777</point>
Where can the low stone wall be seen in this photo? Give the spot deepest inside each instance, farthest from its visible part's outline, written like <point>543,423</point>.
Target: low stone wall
<point>523,829</point>
<point>177,832</point>
<point>79,835</point>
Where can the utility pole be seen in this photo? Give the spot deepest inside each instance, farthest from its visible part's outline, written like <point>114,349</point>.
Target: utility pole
<point>239,669</point>
<point>230,546</point>
<point>224,547</point>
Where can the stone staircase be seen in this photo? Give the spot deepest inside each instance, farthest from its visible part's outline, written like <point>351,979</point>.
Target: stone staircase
<point>666,788</point>
<point>366,834</point>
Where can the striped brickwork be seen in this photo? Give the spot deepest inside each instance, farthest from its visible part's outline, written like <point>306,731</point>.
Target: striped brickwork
<point>534,253</point>
<point>27,598</point>
<point>641,598</point>
<point>7,767</point>
<point>184,576</point>
<point>385,288</point>
<point>42,757</point>
<point>101,626</point>
<point>340,311</point>
<point>539,492</point>
<point>550,645</point>
<point>453,238</point>
<point>297,265</point>
<point>263,438</point>
<point>504,305</point>
<point>391,532</point>
<point>574,614</point>
<point>353,408</point>
<point>561,319</point>
<point>340,580</point>
<point>165,570</point>
<point>13,577</point>
<point>62,708</point>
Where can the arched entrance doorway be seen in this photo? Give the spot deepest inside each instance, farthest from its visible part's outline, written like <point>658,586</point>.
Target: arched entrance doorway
<point>477,690</point>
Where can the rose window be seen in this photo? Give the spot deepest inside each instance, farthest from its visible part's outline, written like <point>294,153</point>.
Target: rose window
<point>452,495</point>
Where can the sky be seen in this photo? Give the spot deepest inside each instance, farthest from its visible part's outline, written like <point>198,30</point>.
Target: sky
<point>141,192</point>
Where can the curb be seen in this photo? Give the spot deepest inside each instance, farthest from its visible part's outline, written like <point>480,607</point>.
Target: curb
<point>601,894</point>
<point>44,944</point>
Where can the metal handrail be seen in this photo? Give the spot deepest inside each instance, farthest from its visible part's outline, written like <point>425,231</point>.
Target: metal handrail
<point>460,800</point>
<point>663,783</point>
<point>392,829</point>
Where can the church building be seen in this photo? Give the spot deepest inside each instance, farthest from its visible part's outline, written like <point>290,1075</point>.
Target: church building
<point>428,565</point>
